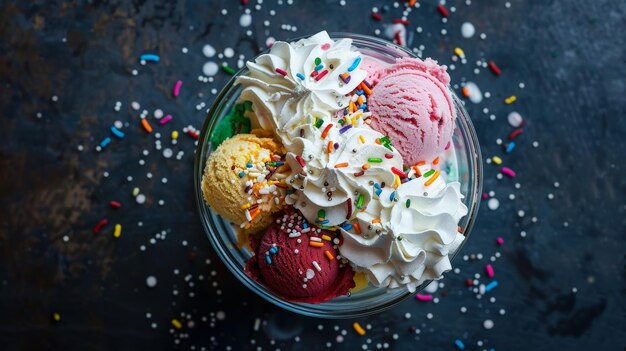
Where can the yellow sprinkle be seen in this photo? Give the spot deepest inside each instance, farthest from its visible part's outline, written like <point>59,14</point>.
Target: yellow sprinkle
<point>396,182</point>
<point>459,52</point>
<point>357,328</point>
<point>56,316</point>
<point>174,134</point>
<point>135,191</point>
<point>511,99</point>
<point>244,206</point>
<point>326,237</point>
<point>362,139</point>
<point>176,323</point>
<point>118,231</point>
<point>497,160</point>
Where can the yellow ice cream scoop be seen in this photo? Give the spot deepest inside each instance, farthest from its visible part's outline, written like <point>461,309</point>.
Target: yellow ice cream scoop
<point>244,181</point>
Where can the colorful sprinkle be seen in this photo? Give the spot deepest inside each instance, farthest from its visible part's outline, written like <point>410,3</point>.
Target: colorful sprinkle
<point>281,71</point>
<point>345,129</point>
<point>118,231</point>
<point>341,165</point>
<point>300,75</point>
<point>508,172</point>
<point>316,244</point>
<point>375,160</point>
<point>326,130</point>
<point>150,57</point>
<point>358,329</point>
<point>355,64</point>
<point>422,297</point>
<point>146,125</point>
<point>489,270</point>
<point>118,133</point>
<point>321,75</point>
<point>329,255</point>
<point>432,179</point>
<point>177,86</point>
<point>495,69</point>
<point>511,99</point>
<point>99,226</point>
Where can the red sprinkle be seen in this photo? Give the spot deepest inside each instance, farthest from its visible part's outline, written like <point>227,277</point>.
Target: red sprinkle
<point>193,134</point>
<point>349,203</point>
<point>321,75</point>
<point>398,172</point>
<point>469,282</point>
<point>244,2</point>
<point>281,71</point>
<point>398,38</point>
<point>388,156</point>
<point>99,226</point>
<point>442,10</point>
<point>325,46</point>
<point>358,174</point>
<point>400,20</point>
<point>300,161</point>
<point>447,146</point>
<point>376,16</point>
<point>514,134</point>
<point>115,204</point>
<point>314,73</point>
<point>494,68</point>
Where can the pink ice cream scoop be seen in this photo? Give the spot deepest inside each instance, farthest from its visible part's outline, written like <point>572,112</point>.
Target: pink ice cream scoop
<point>412,105</point>
<point>374,68</point>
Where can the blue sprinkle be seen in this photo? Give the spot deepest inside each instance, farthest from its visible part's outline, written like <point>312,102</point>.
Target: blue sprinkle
<point>510,147</point>
<point>459,344</point>
<point>105,142</point>
<point>345,129</point>
<point>392,195</point>
<point>118,133</point>
<point>323,222</point>
<point>300,75</point>
<point>376,185</point>
<point>363,107</point>
<point>268,259</point>
<point>491,286</point>
<point>378,191</point>
<point>249,165</point>
<point>319,67</point>
<point>359,92</point>
<point>279,163</point>
<point>347,226</point>
<point>241,174</point>
<point>304,225</point>
<point>355,64</point>
<point>273,250</point>
<point>150,57</point>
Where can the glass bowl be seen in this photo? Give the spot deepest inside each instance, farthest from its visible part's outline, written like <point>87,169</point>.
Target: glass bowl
<point>369,300</point>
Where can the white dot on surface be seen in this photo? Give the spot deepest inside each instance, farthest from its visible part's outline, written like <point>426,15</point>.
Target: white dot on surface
<point>515,119</point>
<point>151,281</point>
<point>208,50</point>
<point>141,198</point>
<point>245,20</point>
<point>210,68</point>
<point>488,324</point>
<point>493,204</point>
<point>229,52</point>
<point>521,213</point>
<point>167,152</point>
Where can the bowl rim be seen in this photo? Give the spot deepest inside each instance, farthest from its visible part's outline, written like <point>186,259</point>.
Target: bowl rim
<point>475,164</point>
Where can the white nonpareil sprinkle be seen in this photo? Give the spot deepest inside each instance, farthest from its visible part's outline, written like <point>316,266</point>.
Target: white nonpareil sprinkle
<point>493,204</point>
<point>467,30</point>
<point>151,281</point>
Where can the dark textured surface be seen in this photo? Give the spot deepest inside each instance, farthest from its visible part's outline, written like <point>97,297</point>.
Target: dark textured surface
<point>569,55</point>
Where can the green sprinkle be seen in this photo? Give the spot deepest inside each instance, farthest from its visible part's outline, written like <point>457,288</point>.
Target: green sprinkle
<point>375,160</point>
<point>319,123</point>
<point>341,121</point>
<point>429,173</point>
<point>321,214</point>
<point>359,201</point>
<point>318,61</point>
<point>228,69</point>
<point>408,203</point>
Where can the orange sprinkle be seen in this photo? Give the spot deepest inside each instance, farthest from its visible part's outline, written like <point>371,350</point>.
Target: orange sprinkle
<point>420,163</point>
<point>412,2</point>
<point>377,141</point>
<point>146,125</point>
<point>459,229</point>
<point>376,220</point>
<point>436,160</point>
<point>366,166</point>
<point>367,90</point>
<point>417,171</point>
<point>432,178</point>
<point>330,147</point>
<point>329,255</point>
<point>254,213</point>
<point>325,237</point>
<point>326,130</point>
<point>316,244</point>
<point>357,229</point>
<point>359,100</point>
<point>465,91</point>
<point>341,165</point>
<point>352,107</point>
<point>358,329</point>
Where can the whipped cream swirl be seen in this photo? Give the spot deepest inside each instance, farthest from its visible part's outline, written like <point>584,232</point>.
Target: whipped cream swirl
<point>282,90</point>
<point>413,239</point>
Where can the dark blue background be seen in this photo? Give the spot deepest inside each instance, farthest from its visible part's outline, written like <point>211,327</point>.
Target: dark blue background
<point>561,277</point>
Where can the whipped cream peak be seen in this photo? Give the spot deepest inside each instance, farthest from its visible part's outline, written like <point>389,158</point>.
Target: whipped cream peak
<point>294,80</point>
<point>411,240</point>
